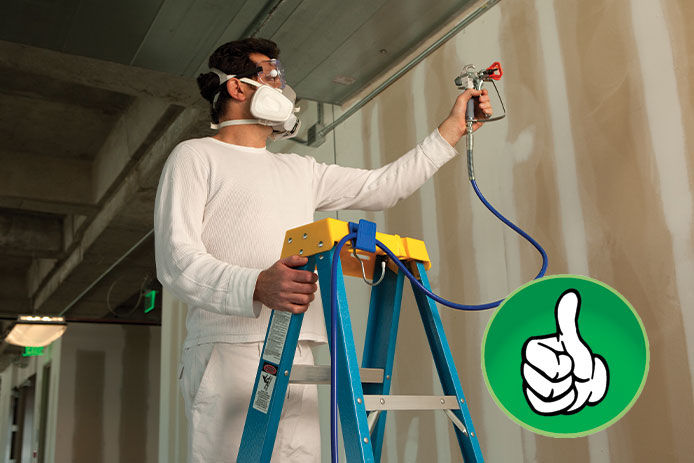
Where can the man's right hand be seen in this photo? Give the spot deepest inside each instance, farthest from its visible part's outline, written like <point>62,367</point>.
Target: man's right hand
<point>282,287</point>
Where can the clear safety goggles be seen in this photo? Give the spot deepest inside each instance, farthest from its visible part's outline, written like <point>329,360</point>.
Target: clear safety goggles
<point>270,72</point>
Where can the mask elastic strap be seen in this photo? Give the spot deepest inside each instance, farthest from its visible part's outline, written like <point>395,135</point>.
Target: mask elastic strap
<point>223,77</point>
<point>251,82</point>
<point>234,122</point>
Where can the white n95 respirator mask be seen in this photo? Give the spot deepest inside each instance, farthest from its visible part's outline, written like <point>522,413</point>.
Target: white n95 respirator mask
<point>269,106</point>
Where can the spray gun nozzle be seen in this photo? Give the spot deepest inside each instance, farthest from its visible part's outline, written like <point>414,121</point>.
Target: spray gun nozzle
<point>491,71</point>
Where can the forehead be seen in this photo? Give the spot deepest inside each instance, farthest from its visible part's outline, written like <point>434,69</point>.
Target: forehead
<point>258,57</point>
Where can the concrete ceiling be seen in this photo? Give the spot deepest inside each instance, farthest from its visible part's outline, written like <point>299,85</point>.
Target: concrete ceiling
<point>94,96</point>
<point>83,143</point>
<point>331,48</point>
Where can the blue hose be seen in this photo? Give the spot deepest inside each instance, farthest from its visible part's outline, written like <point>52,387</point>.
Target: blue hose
<point>515,228</point>
<point>413,279</point>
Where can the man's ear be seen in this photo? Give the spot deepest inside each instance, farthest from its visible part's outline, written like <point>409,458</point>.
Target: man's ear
<point>236,90</point>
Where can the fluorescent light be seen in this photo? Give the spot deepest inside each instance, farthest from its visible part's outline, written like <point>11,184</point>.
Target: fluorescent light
<point>36,330</point>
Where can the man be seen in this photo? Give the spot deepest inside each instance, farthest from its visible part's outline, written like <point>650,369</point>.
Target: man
<point>222,208</point>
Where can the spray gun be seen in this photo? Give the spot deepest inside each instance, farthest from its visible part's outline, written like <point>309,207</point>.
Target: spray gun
<point>473,79</point>
<point>470,78</point>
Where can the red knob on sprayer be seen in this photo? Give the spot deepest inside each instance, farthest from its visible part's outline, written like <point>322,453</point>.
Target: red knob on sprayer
<point>491,71</point>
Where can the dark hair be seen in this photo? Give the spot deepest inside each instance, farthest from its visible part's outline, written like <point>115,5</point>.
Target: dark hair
<point>231,58</point>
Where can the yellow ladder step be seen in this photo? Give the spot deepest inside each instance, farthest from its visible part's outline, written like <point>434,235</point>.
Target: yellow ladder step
<point>322,235</point>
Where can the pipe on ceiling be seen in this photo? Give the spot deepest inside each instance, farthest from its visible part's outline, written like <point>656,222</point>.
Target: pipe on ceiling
<point>106,272</point>
<point>415,61</point>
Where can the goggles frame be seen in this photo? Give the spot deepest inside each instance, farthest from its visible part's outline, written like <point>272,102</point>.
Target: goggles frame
<point>265,76</point>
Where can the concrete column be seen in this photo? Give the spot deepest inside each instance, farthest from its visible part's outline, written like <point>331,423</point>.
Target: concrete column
<point>173,427</point>
<point>54,357</point>
<point>6,382</point>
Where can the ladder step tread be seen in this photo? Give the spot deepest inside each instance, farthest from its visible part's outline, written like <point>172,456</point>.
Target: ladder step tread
<point>320,374</point>
<point>411,402</point>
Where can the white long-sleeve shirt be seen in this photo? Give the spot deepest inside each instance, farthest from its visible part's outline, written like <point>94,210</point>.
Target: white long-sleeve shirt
<point>221,213</point>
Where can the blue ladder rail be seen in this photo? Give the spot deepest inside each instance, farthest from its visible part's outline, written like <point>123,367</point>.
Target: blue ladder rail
<point>361,444</point>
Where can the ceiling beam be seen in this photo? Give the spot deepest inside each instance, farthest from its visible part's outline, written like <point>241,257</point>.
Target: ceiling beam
<point>14,293</point>
<point>51,206</point>
<point>131,135</point>
<point>30,235</point>
<point>12,286</point>
<point>44,179</point>
<point>184,124</point>
<point>100,74</point>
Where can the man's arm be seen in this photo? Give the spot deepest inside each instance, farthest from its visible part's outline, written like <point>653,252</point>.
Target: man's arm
<point>184,266</point>
<point>337,187</point>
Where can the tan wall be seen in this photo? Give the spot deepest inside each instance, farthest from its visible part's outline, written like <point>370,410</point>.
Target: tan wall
<point>595,161</point>
<point>108,407</point>
<point>14,376</point>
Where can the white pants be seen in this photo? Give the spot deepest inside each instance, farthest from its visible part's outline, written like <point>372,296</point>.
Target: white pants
<point>217,380</point>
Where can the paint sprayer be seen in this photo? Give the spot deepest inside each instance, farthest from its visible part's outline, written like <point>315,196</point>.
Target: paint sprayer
<point>473,79</point>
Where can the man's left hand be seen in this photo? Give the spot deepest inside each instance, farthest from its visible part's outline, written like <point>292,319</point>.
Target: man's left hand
<point>454,127</point>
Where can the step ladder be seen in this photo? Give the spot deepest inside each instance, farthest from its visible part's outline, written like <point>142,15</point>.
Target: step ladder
<point>362,393</point>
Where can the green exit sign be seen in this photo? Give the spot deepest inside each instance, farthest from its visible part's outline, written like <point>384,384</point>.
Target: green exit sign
<point>150,299</point>
<point>32,352</point>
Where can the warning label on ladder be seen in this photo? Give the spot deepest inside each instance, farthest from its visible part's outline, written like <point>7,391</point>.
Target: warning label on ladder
<point>263,393</point>
<point>276,336</point>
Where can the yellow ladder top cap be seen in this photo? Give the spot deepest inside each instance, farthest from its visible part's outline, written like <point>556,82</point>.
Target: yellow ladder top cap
<point>323,235</point>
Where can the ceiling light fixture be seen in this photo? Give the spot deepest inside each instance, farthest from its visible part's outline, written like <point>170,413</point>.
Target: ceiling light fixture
<point>35,330</point>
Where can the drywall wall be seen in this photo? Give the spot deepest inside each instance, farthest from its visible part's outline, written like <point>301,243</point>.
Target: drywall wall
<point>595,161</point>
<point>108,407</point>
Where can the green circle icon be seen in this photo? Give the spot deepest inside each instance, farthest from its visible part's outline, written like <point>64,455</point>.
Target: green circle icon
<point>565,356</point>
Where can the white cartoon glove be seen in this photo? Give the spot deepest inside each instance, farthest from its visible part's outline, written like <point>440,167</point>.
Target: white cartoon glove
<point>560,373</point>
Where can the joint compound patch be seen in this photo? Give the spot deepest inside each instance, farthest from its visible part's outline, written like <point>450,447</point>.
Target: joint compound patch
<point>274,345</point>
<point>266,384</point>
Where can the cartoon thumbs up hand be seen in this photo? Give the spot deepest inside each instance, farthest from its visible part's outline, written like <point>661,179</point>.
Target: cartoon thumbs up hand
<point>560,373</point>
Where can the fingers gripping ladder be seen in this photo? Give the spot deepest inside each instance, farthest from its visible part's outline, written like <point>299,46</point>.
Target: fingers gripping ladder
<point>362,393</point>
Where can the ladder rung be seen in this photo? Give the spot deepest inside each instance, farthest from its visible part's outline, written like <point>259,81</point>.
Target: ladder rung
<point>410,402</point>
<point>320,374</point>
